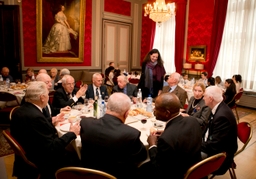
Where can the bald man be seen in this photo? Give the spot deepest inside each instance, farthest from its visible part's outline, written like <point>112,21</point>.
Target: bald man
<point>5,74</point>
<point>174,88</point>
<point>96,88</point>
<point>179,145</point>
<point>110,145</point>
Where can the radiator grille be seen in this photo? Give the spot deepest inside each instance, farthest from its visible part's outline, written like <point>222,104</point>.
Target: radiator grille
<point>248,99</point>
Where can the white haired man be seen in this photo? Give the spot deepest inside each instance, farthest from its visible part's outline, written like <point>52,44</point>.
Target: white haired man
<point>221,133</point>
<point>38,136</point>
<point>68,95</point>
<point>96,88</point>
<point>125,87</point>
<point>173,87</point>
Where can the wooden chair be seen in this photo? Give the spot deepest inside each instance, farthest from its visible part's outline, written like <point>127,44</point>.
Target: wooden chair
<point>205,167</point>
<point>13,109</point>
<point>51,95</point>
<point>81,173</point>
<point>6,110</point>
<point>18,150</point>
<point>244,134</point>
<point>236,98</point>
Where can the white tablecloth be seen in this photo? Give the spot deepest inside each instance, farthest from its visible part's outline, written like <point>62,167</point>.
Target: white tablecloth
<point>19,95</point>
<point>131,121</point>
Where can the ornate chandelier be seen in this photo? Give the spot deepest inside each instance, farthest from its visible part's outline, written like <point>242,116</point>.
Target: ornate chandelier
<point>160,11</point>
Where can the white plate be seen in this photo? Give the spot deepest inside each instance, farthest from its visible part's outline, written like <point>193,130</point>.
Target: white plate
<point>65,127</point>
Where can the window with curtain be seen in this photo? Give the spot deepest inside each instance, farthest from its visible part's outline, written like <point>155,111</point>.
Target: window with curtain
<point>165,42</point>
<point>238,47</point>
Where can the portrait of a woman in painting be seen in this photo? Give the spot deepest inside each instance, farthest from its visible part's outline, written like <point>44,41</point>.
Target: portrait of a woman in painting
<point>60,28</point>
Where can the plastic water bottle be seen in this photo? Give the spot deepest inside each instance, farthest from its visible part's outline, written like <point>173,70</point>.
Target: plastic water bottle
<point>33,78</point>
<point>102,108</point>
<point>99,108</point>
<point>149,103</point>
<point>7,82</point>
<point>139,99</point>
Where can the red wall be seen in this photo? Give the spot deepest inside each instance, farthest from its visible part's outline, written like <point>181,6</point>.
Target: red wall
<point>199,28</point>
<point>200,25</point>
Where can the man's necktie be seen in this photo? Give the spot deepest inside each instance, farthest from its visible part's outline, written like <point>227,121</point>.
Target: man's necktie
<point>125,90</point>
<point>170,89</point>
<point>46,112</point>
<point>97,92</point>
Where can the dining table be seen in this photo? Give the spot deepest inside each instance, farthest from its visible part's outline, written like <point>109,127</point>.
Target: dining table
<point>134,121</point>
<point>17,90</point>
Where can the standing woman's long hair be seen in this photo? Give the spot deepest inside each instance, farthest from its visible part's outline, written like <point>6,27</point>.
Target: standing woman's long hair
<point>159,59</point>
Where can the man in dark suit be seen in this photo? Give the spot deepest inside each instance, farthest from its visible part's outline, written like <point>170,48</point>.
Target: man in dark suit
<point>48,111</point>
<point>110,145</point>
<point>96,88</point>
<point>179,145</point>
<point>37,135</point>
<point>125,87</point>
<point>221,133</point>
<point>174,88</point>
<point>67,95</point>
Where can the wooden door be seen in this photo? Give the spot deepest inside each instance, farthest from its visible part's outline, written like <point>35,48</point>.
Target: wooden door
<point>116,44</point>
<point>10,39</point>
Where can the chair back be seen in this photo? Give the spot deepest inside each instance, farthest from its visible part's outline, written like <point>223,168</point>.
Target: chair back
<point>134,81</point>
<point>236,98</point>
<point>18,150</point>
<point>244,133</point>
<point>5,96</point>
<point>13,109</point>
<point>51,95</point>
<point>205,167</point>
<point>81,173</point>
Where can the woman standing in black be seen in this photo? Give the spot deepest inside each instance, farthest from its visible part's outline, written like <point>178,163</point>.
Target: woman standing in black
<point>152,74</point>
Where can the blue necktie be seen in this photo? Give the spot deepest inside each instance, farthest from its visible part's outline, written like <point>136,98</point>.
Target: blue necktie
<point>97,92</point>
<point>125,90</point>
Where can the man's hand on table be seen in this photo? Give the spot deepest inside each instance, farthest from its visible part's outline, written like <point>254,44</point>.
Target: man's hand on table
<point>65,109</point>
<point>75,127</point>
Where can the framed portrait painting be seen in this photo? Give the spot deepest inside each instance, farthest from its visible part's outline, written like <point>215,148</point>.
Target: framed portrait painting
<point>197,53</point>
<point>60,30</point>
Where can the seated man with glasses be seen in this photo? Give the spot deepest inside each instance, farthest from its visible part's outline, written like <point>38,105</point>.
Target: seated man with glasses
<point>67,95</point>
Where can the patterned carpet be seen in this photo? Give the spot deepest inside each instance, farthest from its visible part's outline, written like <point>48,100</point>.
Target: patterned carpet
<point>5,148</point>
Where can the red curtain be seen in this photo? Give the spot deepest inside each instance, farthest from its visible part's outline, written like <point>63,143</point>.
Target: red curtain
<point>148,34</point>
<point>220,10</point>
<point>180,33</point>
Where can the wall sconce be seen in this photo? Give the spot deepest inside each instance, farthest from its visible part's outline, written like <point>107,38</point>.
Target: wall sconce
<point>19,1</point>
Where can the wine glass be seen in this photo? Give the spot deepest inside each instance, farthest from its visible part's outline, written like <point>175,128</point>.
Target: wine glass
<point>106,99</point>
<point>143,121</point>
<point>86,102</point>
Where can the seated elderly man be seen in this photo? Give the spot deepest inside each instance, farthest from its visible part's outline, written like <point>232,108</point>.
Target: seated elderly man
<point>178,147</point>
<point>67,95</point>
<point>125,87</point>
<point>96,88</point>
<point>48,111</point>
<point>63,71</point>
<point>110,145</point>
<point>174,88</point>
<point>38,136</point>
<point>221,133</point>
<point>5,74</point>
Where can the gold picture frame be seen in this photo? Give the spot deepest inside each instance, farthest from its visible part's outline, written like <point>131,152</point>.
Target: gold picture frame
<point>197,53</point>
<point>60,31</point>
